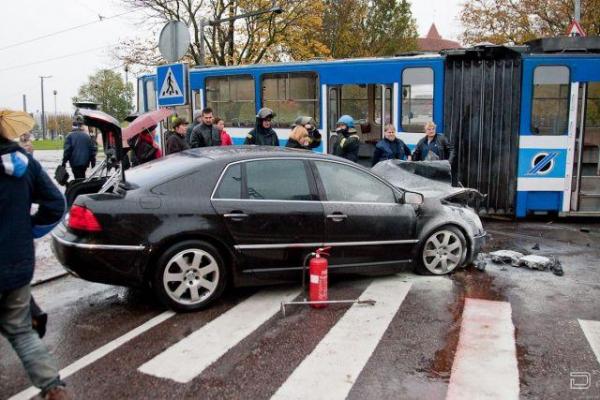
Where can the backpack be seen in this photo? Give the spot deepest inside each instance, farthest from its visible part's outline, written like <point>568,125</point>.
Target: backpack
<point>142,152</point>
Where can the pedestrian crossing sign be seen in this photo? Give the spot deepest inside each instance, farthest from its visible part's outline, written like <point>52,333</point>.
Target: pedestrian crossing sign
<point>171,85</point>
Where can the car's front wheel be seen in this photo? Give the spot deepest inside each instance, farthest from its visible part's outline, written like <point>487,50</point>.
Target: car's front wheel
<point>189,275</point>
<point>442,251</point>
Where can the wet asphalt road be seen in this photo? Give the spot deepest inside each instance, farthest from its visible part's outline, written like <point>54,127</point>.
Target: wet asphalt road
<point>412,360</point>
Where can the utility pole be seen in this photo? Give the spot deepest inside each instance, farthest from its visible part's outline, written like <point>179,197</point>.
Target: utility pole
<point>24,103</point>
<point>55,114</point>
<point>43,113</point>
<point>126,74</point>
<point>578,10</point>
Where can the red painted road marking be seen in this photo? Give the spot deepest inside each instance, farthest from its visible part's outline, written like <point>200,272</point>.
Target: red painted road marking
<point>485,366</point>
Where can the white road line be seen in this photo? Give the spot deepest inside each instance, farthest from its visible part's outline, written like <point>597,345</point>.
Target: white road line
<point>186,359</point>
<point>591,329</point>
<point>485,366</point>
<point>334,365</point>
<point>99,353</point>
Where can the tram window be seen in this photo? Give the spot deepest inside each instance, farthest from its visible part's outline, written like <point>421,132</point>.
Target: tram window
<point>355,102</point>
<point>290,95</point>
<point>550,106</point>
<point>232,98</point>
<point>140,96</point>
<point>151,95</point>
<point>417,98</point>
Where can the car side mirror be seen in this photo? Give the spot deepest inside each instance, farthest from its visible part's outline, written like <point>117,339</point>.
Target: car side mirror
<point>413,198</point>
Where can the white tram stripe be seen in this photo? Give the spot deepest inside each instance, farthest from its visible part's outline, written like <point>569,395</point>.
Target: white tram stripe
<point>334,365</point>
<point>485,366</point>
<point>99,353</point>
<point>186,359</point>
<point>591,329</point>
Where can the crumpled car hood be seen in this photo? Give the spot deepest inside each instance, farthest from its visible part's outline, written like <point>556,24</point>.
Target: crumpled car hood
<point>433,179</point>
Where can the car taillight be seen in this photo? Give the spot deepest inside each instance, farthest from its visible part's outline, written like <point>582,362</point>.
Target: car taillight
<point>82,219</point>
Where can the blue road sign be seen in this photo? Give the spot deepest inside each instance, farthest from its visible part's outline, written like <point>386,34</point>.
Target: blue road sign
<point>171,85</point>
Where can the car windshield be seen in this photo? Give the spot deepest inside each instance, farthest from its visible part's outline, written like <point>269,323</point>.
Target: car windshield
<point>161,170</point>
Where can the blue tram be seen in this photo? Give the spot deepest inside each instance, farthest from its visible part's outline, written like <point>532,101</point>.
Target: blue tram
<point>525,121</point>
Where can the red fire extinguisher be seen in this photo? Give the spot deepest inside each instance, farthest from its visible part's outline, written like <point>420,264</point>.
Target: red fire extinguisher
<point>317,269</point>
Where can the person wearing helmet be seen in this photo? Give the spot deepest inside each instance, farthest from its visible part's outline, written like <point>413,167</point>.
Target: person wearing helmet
<point>348,141</point>
<point>79,149</point>
<point>263,134</point>
<point>314,136</point>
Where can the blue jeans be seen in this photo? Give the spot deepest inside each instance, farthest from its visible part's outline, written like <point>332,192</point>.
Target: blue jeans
<point>15,325</point>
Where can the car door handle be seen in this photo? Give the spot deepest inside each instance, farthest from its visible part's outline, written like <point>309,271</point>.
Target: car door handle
<point>337,216</point>
<point>236,216</point>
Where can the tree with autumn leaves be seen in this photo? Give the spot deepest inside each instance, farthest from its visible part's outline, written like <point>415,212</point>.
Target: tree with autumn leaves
<point>306,29</point>
<point>518,21</point>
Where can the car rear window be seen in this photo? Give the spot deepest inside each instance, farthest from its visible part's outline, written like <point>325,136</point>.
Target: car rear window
<point>159,171</point>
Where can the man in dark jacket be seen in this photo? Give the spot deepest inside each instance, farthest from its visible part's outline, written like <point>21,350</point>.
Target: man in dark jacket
<point>205,134</point>
<point>263,134</point>
<point>79,149</point>
<point>176,141</point>
<point>390,147</point>
<point>195,122</point>
<point>23,182</point>
<point>348,142</point>
<point>433,146</point>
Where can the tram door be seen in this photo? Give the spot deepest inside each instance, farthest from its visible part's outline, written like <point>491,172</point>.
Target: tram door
<point>371,107</point>
<point>585,188</point>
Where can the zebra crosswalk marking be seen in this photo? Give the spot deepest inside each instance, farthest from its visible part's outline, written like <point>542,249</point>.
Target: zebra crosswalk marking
<point>591,330</point>
<point>186,359</point>
<point>334,365</point>
<point>485,365</point>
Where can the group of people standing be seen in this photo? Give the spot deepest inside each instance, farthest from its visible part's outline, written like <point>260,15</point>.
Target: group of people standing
<point>207,130</point>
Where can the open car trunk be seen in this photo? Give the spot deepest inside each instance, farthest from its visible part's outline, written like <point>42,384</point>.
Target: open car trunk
<point>110,168</point>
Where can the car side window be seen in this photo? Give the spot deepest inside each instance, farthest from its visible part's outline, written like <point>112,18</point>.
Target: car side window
<point>230,186</point>
<point>344,183</point>
<point>277,180</point>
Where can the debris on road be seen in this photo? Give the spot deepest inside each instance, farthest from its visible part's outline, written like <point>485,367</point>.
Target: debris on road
<point>480,262</point>
<point>506,257</point>
<point>533,261</point>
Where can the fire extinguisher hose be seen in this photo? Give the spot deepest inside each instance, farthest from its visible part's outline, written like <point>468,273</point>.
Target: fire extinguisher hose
<point>304,265</point>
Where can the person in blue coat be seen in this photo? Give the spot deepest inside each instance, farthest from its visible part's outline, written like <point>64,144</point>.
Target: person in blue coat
<point>390,147</point>
<point>23,182</point>
<point>79,149</point>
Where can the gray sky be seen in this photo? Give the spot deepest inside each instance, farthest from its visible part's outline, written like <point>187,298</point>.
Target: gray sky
<point>23,64</point>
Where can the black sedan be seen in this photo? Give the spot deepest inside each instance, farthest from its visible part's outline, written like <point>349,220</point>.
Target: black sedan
<point>192,223</point>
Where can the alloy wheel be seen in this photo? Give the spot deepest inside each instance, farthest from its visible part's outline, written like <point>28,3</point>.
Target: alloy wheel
<point>443,252</point>
<point>191,276</point>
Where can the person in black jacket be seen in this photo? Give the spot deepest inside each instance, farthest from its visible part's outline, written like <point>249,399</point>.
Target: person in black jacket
<point>205,134</point>
<point>263,134</point>
<point>390,147</point>
<point>309,124</point>
<point>176,141</point>
<point>433,146</point>
<point>23,182</point>
<point>195,122</point>
<point>347,142</point>
<point>79,149</point>
<point>298,138</point>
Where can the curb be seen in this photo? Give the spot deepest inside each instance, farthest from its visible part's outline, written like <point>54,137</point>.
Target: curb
<point>50,279</point>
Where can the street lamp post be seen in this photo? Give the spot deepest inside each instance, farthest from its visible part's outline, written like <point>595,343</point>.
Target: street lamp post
<point>43,112</point>
<point>55,114</point>
<point>214,23</point>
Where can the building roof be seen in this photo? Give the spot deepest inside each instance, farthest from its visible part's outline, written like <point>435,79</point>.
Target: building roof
<point>434,41</point>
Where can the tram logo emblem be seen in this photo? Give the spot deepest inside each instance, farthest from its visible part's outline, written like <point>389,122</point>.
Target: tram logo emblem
<point>542,163</point>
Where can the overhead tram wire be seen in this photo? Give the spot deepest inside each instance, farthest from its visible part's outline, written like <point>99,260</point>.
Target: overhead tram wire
<point>101,19</point>
<point>54,58</point>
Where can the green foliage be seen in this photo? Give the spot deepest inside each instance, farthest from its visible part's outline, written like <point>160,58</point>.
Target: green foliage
<point>362,28</point>
<point>48,144</point>
<point>107,88</point>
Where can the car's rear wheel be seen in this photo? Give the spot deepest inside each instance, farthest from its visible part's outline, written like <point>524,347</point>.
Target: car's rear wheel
<point>189,275</point>
<point>442,252</point>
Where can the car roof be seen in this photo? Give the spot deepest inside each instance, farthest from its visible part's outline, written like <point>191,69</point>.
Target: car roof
<point>236,153</point>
